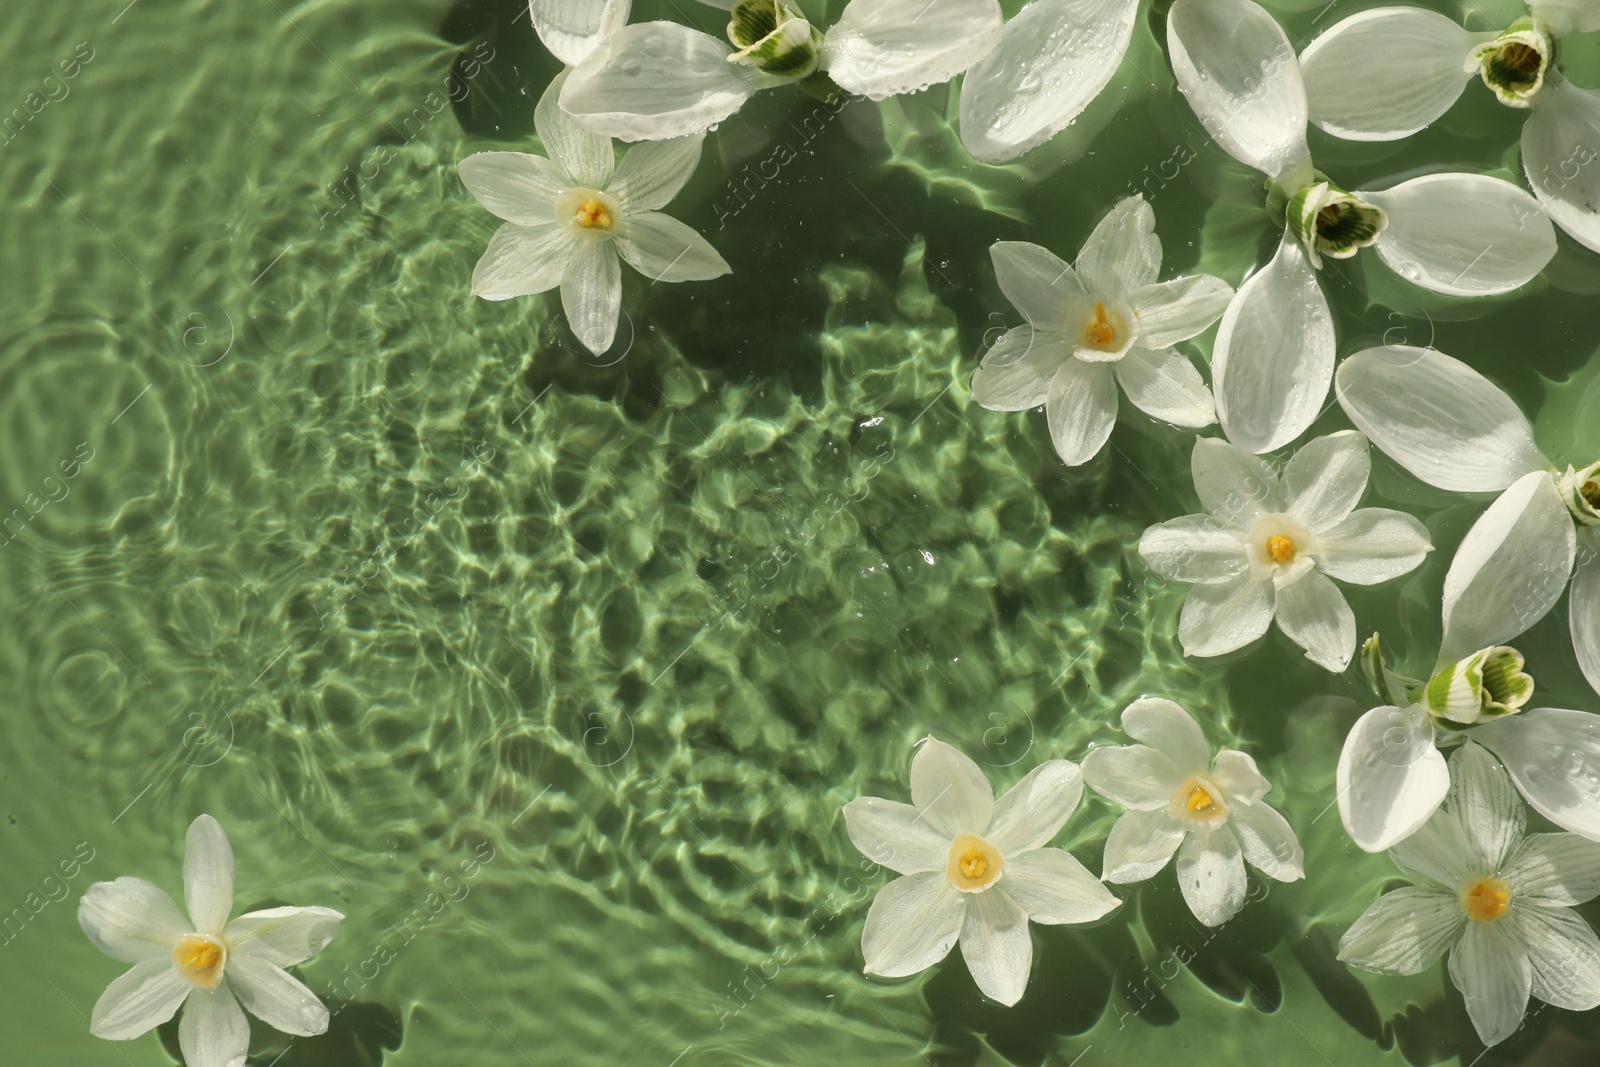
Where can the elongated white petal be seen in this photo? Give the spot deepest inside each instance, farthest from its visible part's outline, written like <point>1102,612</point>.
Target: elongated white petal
<point>139,1001</point>
<point>522,260</point>
<point>1136,776</point>
<point>1232,484</point>
<point>1583,607</point>
<point>1323,482</point>
<point>1238,776</point>
<point>1553,756</point>
<point>1568,16</point>
<point>1274,354</point>
<point>1194,548</point>
<point>1438,418</point>
<point>1463,234</point>
<point>1373,545</point>
<point>1560,143</point>
<point>131,920</point>
<point>1510,570</point>
<point>1315,615</point>
<point>1053,59</point>
<point>655,80</point>
<point>213,1031</point>
<point>1081,409</point>
<point>1177,310</point>
<point>1030,813</point>
<point>1268,842</point>
<point>1220,618</point>
<point>591,293</point>
<point>1391,777</point>
<point>1016,371</point>
<point>1166,385</point>
<point>882,48</point>
<point>1123,253</point>
<point>1404,932</point>
<point>1484,801</point>
<point>207,875</point>
<point>1140,844</point>
<point>950,790</point>
<point>1556,870</point>
<point>1242,78</point>
<point>913,923</point>
<point>996,945</point>
<point>572,28</point>
<point>895,835</point>
<point>1564,956</point>
<point>1439,852</point>
<point>1386,73</point>
<point>584,154</point>
<point>1211,874</point>
<point>283,936</point>
<point>1038,283</point>
<point>666,250</point>
<point>652,172</point>
<point>272,995</point>
<point>1167,728</point>
<point>1493,974</point>
<point>1053,888</point>
<point>515,186</point>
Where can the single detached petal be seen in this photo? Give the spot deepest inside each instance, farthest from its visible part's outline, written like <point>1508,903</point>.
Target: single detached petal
<point>1559,154</point>
<point>1555,870</point>
<point>139,1001</point>
<point>585,154</point>
<point>1220,618</point>
<point>653,172</point>
<point>207,875</point>
<point>1139,845</point>
<point>1463,234</point>
<point>1211,872</point>
<point>1315,615</point>
<point>1200,549</point>
<point>996,945</point>
<point>1135,776</point>
<point>1232,484</point>
<point>1323,482</point>
<point>515,186</point>
<point>1034,810</point>
<point>895,835</point>
<point>1553,756</point>
<point>1510,570</point>
<point>1081,409</point>
<point>1274,354</point>
<point>882,48</point>
<point>1438,418</point>
<point>666,250</point>
<point>1239,777</point>
<point>1386,73</point>
<point>1564,956</point>
<point>913,923</point>
<point>655,80</point>
<point>1016,371</point>
<point>1493,974</point>
<point>1391,777</point>
<point>523,260</point>
<point>1038,283</point>
<point>1166,385</point>
<point>1583,608</point>
<point>1485,803</point>
<point>213,1031</point>
<point>1166,727</point>
<point>950,790</point>
<point>1177,310</point>
<point>1373,545</point>
<point>591,293</point>
<point>1053,888</point>
<point>571,28</point>
<point>270,994</point>
<point>1268,842</point>
<point>1123,253</point>
<point>1241,76</point>
<point>131,920</point>
<point>1404,932</point>
<point>283,936</point>
<point>1053,59</point>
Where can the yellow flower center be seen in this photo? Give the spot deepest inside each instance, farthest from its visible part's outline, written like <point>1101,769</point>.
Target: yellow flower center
<point>1591,492</point>
<point>1281,549</point>
<point>592,215</point>
<point>974,864</point>
<point>1100,332</point>
<point>199,959</point>
<point>1199,800</point>
<point>1486,898</point>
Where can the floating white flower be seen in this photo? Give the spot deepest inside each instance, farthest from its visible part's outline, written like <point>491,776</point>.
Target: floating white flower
<point>569,218</point>
<point>1179,800</point>
<point>205,964</point>
<point>1459,234</point>
<point>1498,901</point>
<point>1269,547</point>
<point>661,79</point>
<point>572,28</point>
<point>1105,322</point>
<point>976,869</point>
<point>1383,74</point>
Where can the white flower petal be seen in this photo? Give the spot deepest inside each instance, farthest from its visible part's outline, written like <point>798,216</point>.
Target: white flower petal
<point>283,936</point>
<point>1324,480</point>
<point>1438,418</point>
<point>591,293</point>
<point>1373,545</point>
<point>997,946</point>
<point>1233,485</point>
<point>1135,776</point>
<point>1053,888</point>
<point>655,80</point>
<point>1242,78</point>
<point>1211,871</point>
<point>1200,549</point>
<point>1053,59</point>
<point>131,920</point>
<point>1439,852</point>
<point>1493,974</point>
<point>207,875</point>
<point>1016,371</point>
<point>514,186</point>
<point>1583,608</point>
<point>950,790</point>
<point>1081,409</point>
<point>1176,310</point>
<point>1239,777</point>
<point>571,28</point>
<point>1510,570</point>
<point>1568,16</point>
<point>882,48</point>
<point>139,1001</point>
<point>1315,615</point>
<point>1166,385</point>
<point>1038,283</point>
<point>1553,756</point>
<point>272,995</point>
<point>666,250</point>
<point>1123,253</point>
<point>1386,73</point>
<point>1404,932</point>
<point>1166,727</point>
<point>653,172</point>
<point>522,260</point>
<point>1485,803</point>
<point>585,155</point>
<point>1033,811</point>
<point>1557,870</point>
<point>1558,156</point>
<point>1563,954</point>
<point>1220,618</point>
<point>1140,844</point>
<point>913,923</point>
<point>213,1031</point>
<point>1391,777</point>
<point>895,835</point>
<point>1268,842</point>
<point>1274,354</point>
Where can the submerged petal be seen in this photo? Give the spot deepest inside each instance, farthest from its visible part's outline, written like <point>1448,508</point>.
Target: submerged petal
<point>1232,484</point>
<point>522,260</point>
<point>1038,283</point>
<point>591,294</point>
<point>1555,870</point>
<point>1494,977</point>
<point>1200,549</point>
<point>1081,409</point>
<point>1563,954</point>
<point>1553,756</point>
<point>283,936</point>
<point>139,1001</point>
<point>882,48</point>
<point>1583,607</point>
<point>666,250</point>
<point>1016,371</point>
<point>131,920</point>
<point>1323,481</point>
<point>653,172</point>
<point>585,155</point>
<point>1391,777</point>
<point>913,923</point>
<point>1211,874</point>
<point>514,186</point>
<point>1315,615</point>
<point>275,997</point>
<point>1166,385</point>
<point>1228,615</point>
<point>1559,157</point>
<point>1268,842</point>
<point>996,945</point>
<point>1176,310</point>
<point>1122,254</point>
<point>1404,932</point>
<point>1053,888</point>
<point>1140,844</point>
<point>572,28</point>
<point>1373,545</point>
<point>1483,802</point>
<point>213,1031</point>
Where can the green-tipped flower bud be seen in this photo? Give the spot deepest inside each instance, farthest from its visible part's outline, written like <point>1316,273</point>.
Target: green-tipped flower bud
<point>1333,222</point>
<point>774,39</point>
<point>1485,685</point>
<point>1580,488</point>
<point>1514,63</point>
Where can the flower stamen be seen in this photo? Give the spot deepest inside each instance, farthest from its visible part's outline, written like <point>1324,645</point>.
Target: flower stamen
<point>1485,899</point>
<point>1281,549</point>
<point>1199,800</point>
<point>974,864</point>
<point>199,959</point>
<point>1100,332</point>
<point>592,215</point>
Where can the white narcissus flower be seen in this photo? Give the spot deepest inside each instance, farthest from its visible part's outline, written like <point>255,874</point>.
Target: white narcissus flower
<point>1496,900</point>
<point>204,964</point>
<point>1270,545</point>
<point>1458,234</point>
<point>1181,801</point>
<point>1090,328</point>
<point>1383,74</point>
<point>975,869</point>
<point>662,79</point>
<point>570,217</point>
